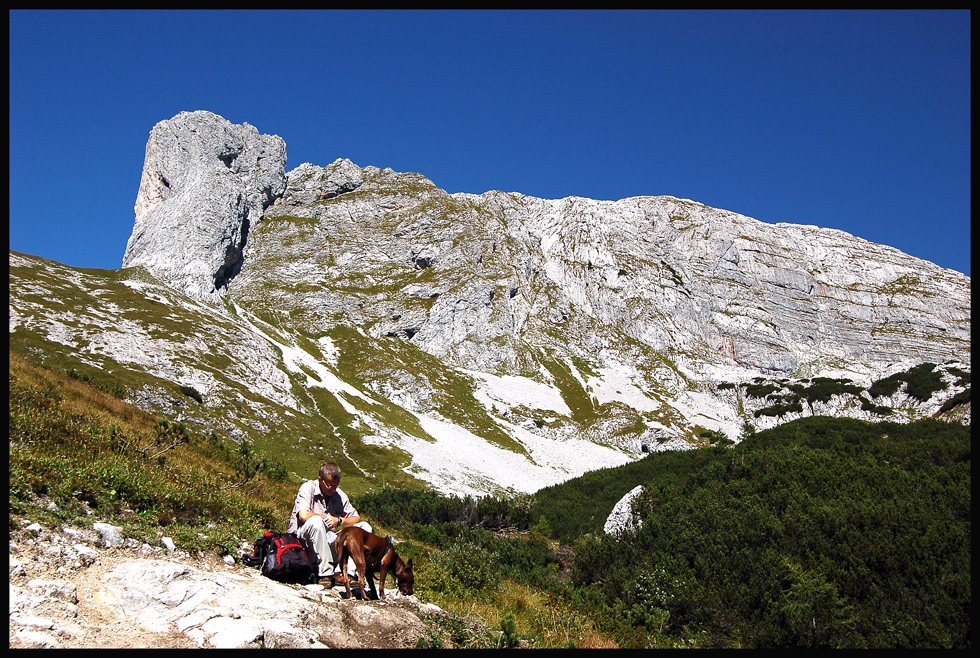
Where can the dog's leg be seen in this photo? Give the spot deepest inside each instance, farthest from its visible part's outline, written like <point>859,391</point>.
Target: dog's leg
<point>342,559</point>
<point>370,584</point>
<point>360,563</point>
<point>382,574</point>
<point>340,552</point>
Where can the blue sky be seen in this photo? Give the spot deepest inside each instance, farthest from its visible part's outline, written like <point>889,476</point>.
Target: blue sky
<point>852,120</point>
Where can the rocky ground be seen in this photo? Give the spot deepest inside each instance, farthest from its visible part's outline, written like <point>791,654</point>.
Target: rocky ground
<point>93,588</point>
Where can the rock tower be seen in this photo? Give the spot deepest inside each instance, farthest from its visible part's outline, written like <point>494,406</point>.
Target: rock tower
<point>205,181</point>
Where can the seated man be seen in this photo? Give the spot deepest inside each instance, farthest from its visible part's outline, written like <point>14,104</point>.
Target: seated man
<point>320,511</point>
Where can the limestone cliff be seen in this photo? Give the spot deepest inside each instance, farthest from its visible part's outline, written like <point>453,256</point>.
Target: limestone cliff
<point>205,182</point>
<point>476,279</point>
<point>481,342</point>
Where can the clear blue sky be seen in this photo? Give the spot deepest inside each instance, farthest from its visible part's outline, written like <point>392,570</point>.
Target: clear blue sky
<point>851,120</point>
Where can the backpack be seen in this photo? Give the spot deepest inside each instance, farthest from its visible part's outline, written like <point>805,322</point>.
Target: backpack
<point>284,557</point>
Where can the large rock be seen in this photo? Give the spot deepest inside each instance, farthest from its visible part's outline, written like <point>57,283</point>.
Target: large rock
<point>127,598</point>
<point>205,182</point>
<point>622,518</point>
<point>232,610</point>
<point>218,609</point>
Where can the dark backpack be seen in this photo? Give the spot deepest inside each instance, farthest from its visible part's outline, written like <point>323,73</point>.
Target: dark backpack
<point>284,557</point>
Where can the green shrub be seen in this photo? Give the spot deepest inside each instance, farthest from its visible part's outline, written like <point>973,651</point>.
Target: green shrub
<point>469,564</point>
<point>80,376</point>
<point>867,405</point>
<point>963,397</point>
<point>448,630</point>
<point>921,381</point>
<point>887,386</point>
<point>780,409</point>
<point>812,522</point>
<point>402,507</point>
<point>716,437</point>
<point>822,389</point>
<point>275,469</point>
<point>191,392</point>
<point>509,637</point>
<point>760,390</point>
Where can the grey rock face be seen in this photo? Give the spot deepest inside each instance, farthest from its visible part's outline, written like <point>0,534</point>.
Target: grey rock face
<point>487,273</point>
<point>205,183</point>
<point>450,326</point>
<point>621,518</point>
<point>308,184</point>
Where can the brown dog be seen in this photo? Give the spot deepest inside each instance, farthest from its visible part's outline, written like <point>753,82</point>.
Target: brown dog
<point>373,554</point>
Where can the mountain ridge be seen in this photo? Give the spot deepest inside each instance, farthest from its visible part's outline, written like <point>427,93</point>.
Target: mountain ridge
<point>449,339</point>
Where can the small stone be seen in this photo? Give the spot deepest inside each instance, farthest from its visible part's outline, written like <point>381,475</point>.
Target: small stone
<point>111,534</point>
<point>32,622</point>
<point>16,567</point>
<point>74,533</point>
<point>63,590</point>
<point>85,554</point>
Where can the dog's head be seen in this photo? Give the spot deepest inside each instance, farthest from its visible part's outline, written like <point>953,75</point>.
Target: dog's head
<point>405,577</point>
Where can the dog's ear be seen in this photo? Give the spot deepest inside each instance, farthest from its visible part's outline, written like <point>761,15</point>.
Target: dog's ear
<point>409,565</point>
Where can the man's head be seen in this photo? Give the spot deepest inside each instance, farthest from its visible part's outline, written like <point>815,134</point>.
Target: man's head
<point>329,479</point>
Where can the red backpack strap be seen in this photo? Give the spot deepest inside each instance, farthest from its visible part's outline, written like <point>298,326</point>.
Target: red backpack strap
<point>282,544</point>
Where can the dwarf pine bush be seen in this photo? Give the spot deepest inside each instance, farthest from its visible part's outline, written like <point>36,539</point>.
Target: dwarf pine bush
<point>819,533</point>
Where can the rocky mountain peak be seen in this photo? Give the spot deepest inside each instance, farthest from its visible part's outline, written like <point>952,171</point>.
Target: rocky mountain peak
<point>205,182</point>
<point>495,341</point>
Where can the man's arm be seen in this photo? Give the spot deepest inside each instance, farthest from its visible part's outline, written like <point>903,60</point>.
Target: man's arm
<point>329,520</point>
<point>305,515</point>
<point>347,521</point>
